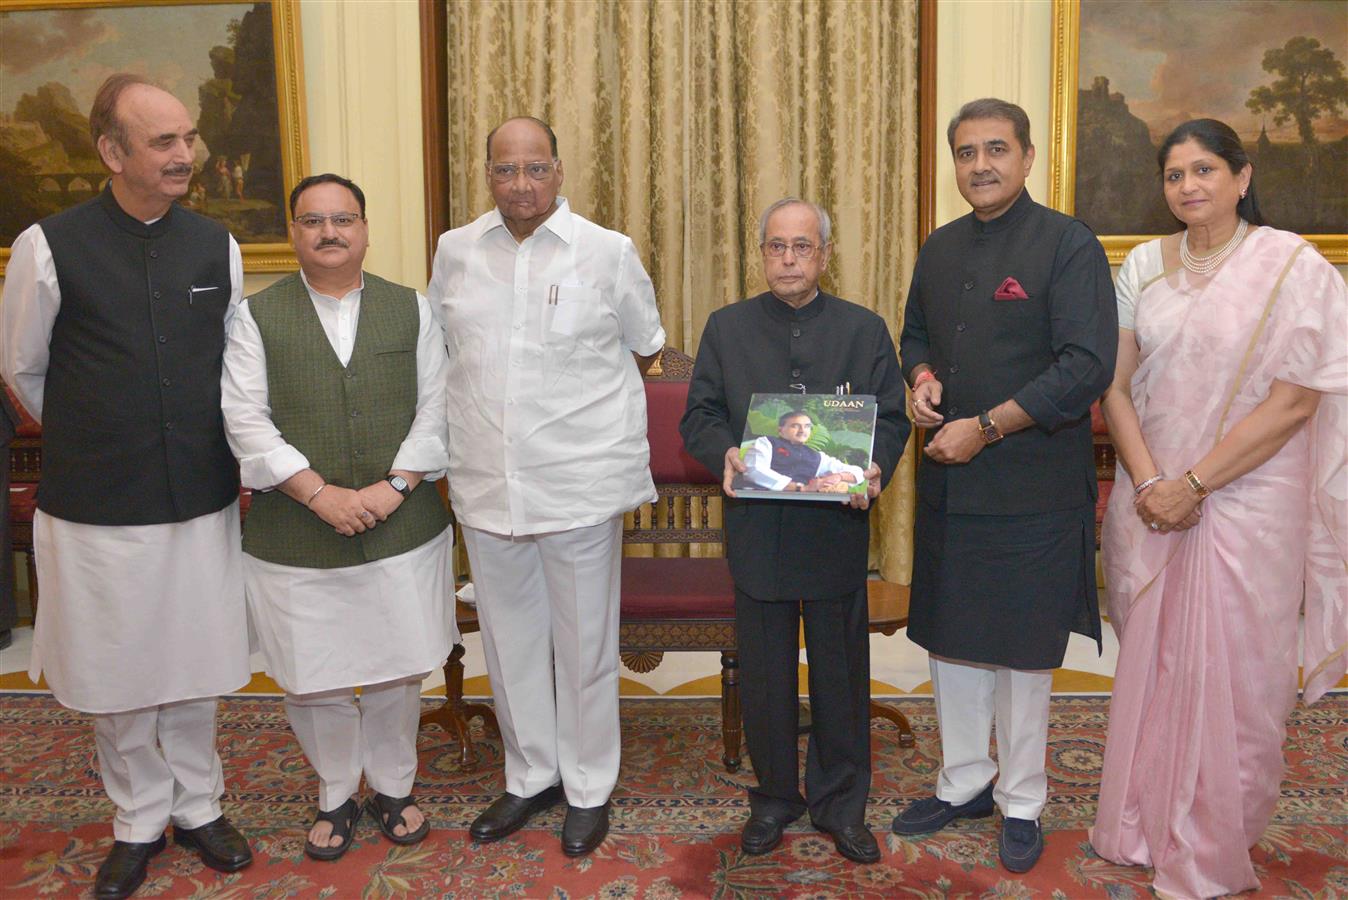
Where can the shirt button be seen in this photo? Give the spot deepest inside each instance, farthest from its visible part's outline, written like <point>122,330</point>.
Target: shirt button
<point>954,370</point>
<point>968,285</point>
<point>961,326</point>
<point>166,382</point>
<point>795,373</point>
<point>154,254</point>
<point>162,339</point>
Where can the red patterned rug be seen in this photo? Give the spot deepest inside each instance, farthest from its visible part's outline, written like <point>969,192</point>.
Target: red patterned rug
<point>676,818</point>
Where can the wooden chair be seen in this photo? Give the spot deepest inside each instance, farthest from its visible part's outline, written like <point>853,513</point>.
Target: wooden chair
<point>25,470</point>
<point>888,603</point>
<point>679,603</point>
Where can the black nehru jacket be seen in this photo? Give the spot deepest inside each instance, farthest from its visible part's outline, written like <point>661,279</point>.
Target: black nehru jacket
<point>1053,352</point>
<point>131,425</point>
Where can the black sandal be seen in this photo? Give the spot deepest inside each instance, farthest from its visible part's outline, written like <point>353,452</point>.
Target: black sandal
<point>343,820</point>
<point>388,812</point>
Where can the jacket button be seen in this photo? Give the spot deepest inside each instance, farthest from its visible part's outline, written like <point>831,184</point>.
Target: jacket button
<point>162,339</point>
<point>157,295</point>
<point>168,426</point>
<point>954,410</point>
<point>154,254</point>
<point>954,370</point>
<point>961,326</point>
<point>795,332</point>
<point>355,413</point>
<point>350,374</point>
<point>166,382</point>
<point>795,373</point>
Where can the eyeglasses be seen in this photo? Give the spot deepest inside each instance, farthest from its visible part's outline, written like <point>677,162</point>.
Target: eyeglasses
<point>314,221</point>
<point>504,173</point>
<point>799,249</point>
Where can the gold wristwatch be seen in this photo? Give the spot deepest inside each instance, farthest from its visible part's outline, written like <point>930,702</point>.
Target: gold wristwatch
<point>991,433</point>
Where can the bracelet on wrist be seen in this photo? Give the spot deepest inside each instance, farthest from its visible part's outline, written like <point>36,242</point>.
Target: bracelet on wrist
<point>1196,485</point>
<point>1137,491</point>
<point>309,503</point>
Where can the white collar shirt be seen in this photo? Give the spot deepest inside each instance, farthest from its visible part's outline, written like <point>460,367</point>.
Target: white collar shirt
<point>547,411</point>
<point>266,459</point>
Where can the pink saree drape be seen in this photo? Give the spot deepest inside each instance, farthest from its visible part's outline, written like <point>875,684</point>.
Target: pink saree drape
<point>1207,618</point>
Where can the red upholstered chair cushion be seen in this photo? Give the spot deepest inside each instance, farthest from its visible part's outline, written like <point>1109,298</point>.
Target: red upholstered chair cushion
<point>27,426</point>
<point>1106,488</point>
<point>681,588</point>
<point>670,462</point>
<point>1098,420</point>
<point>245,501</point>
<point>22,502</point>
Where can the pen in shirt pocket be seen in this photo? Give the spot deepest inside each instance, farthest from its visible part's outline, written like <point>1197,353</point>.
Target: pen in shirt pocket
<point>194,290</point>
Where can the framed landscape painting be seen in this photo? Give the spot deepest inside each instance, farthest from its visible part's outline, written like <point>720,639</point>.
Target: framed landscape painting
<point>1125,74</point>
<point>236,66</point>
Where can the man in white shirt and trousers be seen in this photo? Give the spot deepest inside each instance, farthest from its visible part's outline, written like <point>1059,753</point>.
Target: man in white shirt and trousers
<point>112,327</point>
<point>334,402</point>
<point>543,312</point>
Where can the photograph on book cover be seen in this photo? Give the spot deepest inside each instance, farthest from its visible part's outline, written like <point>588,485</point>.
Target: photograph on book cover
<point>1125,74</point>
<point>235,66</point>
<point>806,446</point>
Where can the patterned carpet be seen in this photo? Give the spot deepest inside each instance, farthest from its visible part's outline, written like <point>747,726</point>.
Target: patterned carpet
<point>676,819</point>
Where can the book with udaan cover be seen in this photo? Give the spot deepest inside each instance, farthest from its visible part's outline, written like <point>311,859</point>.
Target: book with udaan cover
<point>806,447</point>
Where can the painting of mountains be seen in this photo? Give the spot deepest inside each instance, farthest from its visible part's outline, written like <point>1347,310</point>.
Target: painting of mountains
<point>217,58</point>
<point>1271,69</point>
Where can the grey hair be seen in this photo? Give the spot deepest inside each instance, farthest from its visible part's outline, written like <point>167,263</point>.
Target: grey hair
<point>825,223</point>
<point>992,108</point>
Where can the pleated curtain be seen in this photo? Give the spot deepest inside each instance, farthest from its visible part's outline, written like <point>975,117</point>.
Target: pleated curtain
<point>679,121</point>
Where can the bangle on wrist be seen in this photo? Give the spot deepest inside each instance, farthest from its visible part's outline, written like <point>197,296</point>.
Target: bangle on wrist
<point>924,375</point>
<point>309,503</point>
<point>1196,485</point>
<point>1137,491</point>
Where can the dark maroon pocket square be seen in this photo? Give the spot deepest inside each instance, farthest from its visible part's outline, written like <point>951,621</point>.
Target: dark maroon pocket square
<point>1010,289</point>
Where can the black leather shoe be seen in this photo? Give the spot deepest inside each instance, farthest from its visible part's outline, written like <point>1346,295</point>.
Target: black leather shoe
<point>584,829</point>
<point>930,814</point>
<point>855,842</point>
<point>761,834</point>
<point>508,813</point>
<point>124,868</point>
<point>219,844</point>
<point>1020,845</point>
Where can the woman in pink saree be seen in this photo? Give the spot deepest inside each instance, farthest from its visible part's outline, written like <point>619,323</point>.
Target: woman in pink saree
<point>1229,410</point>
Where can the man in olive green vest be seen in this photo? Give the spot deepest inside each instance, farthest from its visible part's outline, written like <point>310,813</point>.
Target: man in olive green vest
<point>334,403</point>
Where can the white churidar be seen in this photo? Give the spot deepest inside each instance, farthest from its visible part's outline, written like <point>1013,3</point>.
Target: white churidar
<point>342,739</point>
<point>968,697</point>
<point>159,764</point>
<point>549,610</point>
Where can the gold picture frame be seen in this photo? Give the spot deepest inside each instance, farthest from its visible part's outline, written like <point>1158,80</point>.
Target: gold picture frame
<point>1063,137</point>
<point>272,252</point>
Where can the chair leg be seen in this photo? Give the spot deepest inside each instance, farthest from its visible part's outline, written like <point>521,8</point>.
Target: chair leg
<point>880,711</point>
<point>732,726</point>
<point>454,714</point>
<point>31,568</point>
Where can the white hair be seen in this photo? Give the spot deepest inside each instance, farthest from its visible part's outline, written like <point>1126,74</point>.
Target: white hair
<point>825,223</point>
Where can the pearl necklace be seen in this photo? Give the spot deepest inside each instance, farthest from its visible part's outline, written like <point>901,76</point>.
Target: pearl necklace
<point>1206,265</point>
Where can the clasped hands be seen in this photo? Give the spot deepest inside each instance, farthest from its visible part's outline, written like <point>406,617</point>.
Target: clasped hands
<point>956,441</point>
<point>351,512</point>
<point>1168,505</point>
<point>859,500</point>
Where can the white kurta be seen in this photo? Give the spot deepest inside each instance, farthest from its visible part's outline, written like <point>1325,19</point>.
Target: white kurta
<point>131,615</point>
<point>324,629</point>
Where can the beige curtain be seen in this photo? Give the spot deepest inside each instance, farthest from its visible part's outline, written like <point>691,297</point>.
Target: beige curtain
<point>680,120</point>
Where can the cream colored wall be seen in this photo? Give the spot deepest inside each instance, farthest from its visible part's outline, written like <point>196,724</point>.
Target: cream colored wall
<point>992,48</point>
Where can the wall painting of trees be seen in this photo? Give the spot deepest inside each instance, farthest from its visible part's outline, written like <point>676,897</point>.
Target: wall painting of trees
<point>1125,74</point>
<point>234,65</point>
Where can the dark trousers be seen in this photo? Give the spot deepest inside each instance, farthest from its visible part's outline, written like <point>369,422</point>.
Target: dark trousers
<point>838,759</point>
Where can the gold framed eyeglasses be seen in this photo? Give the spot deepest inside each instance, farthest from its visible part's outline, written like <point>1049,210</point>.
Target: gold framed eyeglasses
<point>504,173</point>
<point>799,249</point>
<point>314,221</point>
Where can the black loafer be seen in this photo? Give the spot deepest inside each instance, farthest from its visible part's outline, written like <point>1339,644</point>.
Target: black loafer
<point>218,843</point>
<point>931,814</point>
<point>124,868</point>
<point>761,834</point>
<point>584,829</point>
<point>1020,845</point>
<point>509,813</point>
<point>855,842</point>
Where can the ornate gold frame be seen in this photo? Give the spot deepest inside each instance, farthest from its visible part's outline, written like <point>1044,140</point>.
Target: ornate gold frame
<point>1063,139</point>
<point>257,257</point>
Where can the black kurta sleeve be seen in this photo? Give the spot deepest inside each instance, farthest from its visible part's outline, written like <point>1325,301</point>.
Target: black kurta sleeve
<point>705,425</point>
<point>916,349</point>
<point>891,424</point>
<point>1084,323</point>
